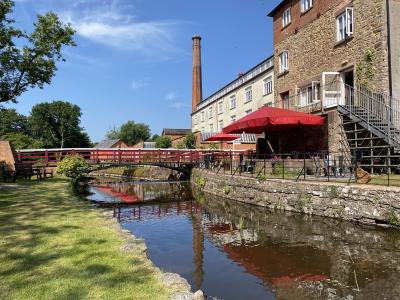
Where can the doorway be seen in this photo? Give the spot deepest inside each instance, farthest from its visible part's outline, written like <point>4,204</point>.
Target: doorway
<point>285,100</point>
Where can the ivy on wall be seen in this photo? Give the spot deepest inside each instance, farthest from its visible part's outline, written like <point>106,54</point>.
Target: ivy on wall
<point>365,68</point>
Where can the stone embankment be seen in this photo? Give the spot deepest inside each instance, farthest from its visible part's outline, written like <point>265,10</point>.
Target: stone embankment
<point>177,285</point>
<point>358,203</point>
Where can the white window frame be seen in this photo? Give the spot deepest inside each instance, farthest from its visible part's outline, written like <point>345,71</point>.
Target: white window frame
<point>202,116</point>
<point>233,101</point>
<point>249,111</point>
<point>211,128</point>
<point>268,88</point>
<point>233,118</point>
<point>248,93</point>
<point>345,24</point>
<point>284,61</point>
<point>306,5</point>
<point>220,107</point>
<point>287,17</point>
<point>220,125</point>
<point>210,112</point>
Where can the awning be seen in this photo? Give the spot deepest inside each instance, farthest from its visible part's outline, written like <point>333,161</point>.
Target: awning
<point>271,119</point>
<point>222,137</point>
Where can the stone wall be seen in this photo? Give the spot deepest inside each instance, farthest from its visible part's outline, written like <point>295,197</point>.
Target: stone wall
<point>313,49</point>
<point>7,154</point>
<point>364,204</point>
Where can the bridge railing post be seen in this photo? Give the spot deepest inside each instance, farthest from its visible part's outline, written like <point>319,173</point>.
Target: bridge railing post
<point>46,158</point>
<point>119,156</point>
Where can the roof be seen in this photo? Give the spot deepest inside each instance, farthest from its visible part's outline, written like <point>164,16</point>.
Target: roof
<point>244,138</point>
<point>278,7</point>
<point>261,68</point>
<point>107,143</point>
<point>169,131</point>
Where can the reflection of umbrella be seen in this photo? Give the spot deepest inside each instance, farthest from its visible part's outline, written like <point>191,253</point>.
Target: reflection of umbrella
<point>222,137</point>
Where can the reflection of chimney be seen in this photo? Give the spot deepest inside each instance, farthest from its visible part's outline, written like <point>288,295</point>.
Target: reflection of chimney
<point>196,79</point>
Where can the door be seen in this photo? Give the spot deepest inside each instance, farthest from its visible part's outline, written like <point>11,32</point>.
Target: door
<point>332,89</point>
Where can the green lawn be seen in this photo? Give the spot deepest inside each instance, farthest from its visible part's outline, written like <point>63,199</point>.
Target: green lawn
<point>54,246</point>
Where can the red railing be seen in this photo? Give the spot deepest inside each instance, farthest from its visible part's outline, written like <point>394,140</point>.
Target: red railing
<point>122,156</point>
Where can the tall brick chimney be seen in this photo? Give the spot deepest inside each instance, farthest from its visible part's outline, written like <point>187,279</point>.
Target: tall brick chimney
<point>197,94</point>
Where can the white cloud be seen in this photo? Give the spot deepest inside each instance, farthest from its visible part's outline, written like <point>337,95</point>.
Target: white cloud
<point>112,23</point>
<point>137,84</point>
<point>174,101</point>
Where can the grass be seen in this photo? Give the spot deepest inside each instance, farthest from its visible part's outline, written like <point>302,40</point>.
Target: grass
<point>54,246</point>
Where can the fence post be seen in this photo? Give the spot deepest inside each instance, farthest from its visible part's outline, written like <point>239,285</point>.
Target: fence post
<point>283,168</point>
<point>388,167</point>
<point>328,166</point>
<point>304,165</point>
<point>230,153</point>
<point>264,164</point>
<point>46,158</point>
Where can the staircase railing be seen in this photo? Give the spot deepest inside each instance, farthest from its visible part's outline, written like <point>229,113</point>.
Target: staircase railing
<point>376,109</point>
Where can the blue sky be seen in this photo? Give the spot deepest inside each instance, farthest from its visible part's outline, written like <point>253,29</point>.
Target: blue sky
<point>133,59</point>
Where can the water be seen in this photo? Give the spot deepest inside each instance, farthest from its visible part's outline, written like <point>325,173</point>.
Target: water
<point>235,251</point>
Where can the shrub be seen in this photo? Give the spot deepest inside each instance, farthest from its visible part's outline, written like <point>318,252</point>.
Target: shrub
<point>262,178</point>
<point>227,190</point>
<point>74,167</point>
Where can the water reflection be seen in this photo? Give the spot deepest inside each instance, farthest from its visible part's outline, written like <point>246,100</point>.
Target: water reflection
<point>235,251</point>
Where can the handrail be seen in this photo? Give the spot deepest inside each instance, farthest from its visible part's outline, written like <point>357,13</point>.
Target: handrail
<point>373,108</point>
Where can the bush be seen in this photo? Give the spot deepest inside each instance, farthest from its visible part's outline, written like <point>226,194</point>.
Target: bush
<point>74,167</point>
<point>163,142</point>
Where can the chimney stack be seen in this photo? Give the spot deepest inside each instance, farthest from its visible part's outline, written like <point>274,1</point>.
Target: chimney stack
<point>197,94</point>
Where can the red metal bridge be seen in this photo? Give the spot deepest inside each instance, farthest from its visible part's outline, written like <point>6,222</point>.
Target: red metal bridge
<point>179,160</point>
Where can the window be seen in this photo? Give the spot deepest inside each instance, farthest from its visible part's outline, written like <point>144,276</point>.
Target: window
<point>233,101</point>
<point>309,94</point>
<point>248,111</point>
<point>286,17</point>
<point>269,104</point>
<point>220,107</point>
<point>344,24</point>
<point>268,85</point>
<point>202,129</point>
<point>306,5</point>
<point>202,116</point>
<point>284,61</point>
<point>220,125</point>
<point>211,128</point>
<point>195,119</point>
<point>210,112</point>
<point>248,94</point>
<point>233,118</point>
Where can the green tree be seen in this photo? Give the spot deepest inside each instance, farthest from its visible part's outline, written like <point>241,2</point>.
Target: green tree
<point>56,124</point>
<point>163,142</point>
<point>29,60</point>
<point>190,141</point>
<point>12,122</point>
<point>132,133</point>
<point>23,141</point>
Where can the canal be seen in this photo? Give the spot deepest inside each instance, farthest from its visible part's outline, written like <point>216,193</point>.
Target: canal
<point>234,251</point>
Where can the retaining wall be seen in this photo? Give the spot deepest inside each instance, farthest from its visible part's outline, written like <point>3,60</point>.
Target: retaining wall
<point>359,203</point>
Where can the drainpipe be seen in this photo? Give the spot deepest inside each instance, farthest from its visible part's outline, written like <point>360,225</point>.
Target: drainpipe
<point>389,52</point>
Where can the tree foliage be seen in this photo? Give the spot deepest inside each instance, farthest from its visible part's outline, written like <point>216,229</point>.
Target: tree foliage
<point>74,167</point>
<point>34,63</point>
<point>57,125</point>
<point>163,142</point>
<point>130,132</point>
<point>190,141</point>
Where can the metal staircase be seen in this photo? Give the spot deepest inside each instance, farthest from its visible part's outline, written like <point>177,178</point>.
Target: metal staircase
<point>371,122</point>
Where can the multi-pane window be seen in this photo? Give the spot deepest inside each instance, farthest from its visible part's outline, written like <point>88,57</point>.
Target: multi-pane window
<point>211,128</point>
<point>310,93</point>
<point>286,17</point>
<point>268,85</point>
<point>248,111</point>
<point>202,116</point>
<point>220,107</point>
<point>284,61</point>
<point>233,118</point>
<point>210,112</point>
<point>202,129</point>
<point>344,24</point>
<point>220,125</point>
<point>233,101</point>
<point>248,94</point>
<point>306,5</point>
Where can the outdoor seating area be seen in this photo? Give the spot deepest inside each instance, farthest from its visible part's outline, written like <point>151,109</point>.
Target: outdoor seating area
<point>23,170</point>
